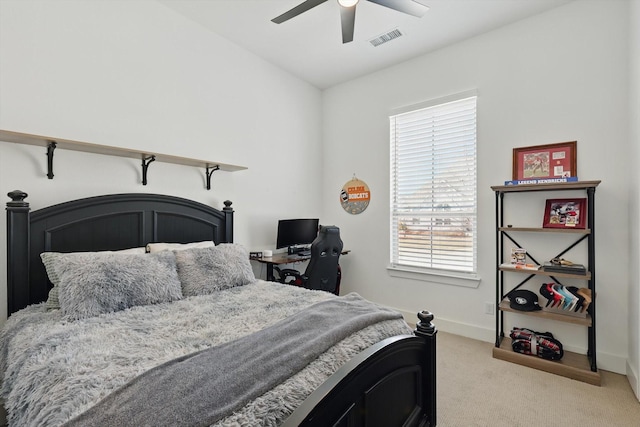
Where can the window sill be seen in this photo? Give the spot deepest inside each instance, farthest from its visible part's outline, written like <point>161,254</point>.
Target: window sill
<point>440,278</point>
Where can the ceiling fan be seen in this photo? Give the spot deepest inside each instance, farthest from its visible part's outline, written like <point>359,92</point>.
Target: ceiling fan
<point>348,12</point>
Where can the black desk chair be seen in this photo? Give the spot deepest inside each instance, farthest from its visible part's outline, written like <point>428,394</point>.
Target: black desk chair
<point>323,271</point>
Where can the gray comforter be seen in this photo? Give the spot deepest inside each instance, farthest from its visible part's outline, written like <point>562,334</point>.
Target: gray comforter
<point>56,370</point>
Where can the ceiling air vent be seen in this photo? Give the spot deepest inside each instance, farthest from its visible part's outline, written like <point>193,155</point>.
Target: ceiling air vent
<point>387,37</point>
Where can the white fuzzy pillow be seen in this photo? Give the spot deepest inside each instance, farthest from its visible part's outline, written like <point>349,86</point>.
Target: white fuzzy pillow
<point>49,259</point>
<point>204,271</point>
<point>94,283</point>
<point>157,247</point>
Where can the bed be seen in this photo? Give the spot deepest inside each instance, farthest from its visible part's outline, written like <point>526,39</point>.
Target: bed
<point>222,349</point>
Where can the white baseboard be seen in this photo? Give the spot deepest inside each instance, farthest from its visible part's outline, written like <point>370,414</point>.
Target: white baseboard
<point>606,361</point>
<point>634,380</point>
<point>610,362</point>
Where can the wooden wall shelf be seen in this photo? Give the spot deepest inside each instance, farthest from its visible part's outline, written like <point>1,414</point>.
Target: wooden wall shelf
<point>146,157</point>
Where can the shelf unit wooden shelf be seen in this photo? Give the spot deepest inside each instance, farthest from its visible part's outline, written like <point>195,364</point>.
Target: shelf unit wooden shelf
<point>146,157</point>
<point>581,367</point>
<point>575,185</point>
<point>547,230</point>
<point>572,365</point>
<point>584,321</point>
<point>546,273</point>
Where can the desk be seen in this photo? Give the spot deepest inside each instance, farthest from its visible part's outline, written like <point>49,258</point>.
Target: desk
<point>283,258</point>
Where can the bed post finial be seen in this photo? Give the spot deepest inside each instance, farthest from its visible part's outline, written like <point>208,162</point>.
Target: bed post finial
<point>17,198</point>
<point>424,327</point>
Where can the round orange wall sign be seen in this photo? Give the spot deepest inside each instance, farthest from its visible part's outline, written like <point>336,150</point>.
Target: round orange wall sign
<point>355,196</point>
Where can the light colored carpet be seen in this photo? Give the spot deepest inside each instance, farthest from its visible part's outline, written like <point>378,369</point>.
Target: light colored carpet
<point>476,390</point>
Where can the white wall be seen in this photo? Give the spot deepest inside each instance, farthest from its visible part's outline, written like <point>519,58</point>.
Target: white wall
<point>136,74</point>
<point>633,364</point>
<point>559,76</point>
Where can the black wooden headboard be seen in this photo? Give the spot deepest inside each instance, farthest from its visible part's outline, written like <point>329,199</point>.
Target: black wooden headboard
<point>110,222</point>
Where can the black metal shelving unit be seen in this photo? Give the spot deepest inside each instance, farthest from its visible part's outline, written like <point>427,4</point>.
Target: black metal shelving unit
<point>577,366</point>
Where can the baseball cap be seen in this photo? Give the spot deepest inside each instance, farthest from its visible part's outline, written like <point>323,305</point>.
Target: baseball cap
<point>523,300</point>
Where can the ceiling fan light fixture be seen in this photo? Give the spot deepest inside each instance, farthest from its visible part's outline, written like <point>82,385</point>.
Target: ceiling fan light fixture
<point>348,3</point>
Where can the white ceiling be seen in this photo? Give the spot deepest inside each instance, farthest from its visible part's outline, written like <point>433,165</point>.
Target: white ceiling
<point>310,45</point>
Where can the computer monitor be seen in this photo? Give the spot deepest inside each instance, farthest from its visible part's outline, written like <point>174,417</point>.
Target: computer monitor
<point>295,232</point>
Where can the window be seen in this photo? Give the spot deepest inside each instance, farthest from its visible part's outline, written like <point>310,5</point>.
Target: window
<point>433,187</point>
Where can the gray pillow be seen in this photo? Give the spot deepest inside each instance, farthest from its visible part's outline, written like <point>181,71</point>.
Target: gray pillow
<point>94,283</point>
<point>49,259</point>
<point>204,271</point>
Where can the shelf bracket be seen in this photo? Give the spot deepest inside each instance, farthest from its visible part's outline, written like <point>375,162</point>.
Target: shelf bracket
<point>210,172</point>
<point>51,146</point>
<point>145,165</point>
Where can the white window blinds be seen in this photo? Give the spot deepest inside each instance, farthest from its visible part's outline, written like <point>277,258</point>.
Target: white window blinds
<point>433,187</point>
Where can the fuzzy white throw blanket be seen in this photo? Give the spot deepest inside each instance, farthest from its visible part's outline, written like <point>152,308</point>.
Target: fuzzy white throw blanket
<point>55,370</point>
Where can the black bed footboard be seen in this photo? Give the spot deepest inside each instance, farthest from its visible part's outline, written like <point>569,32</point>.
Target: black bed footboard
<point>392,383</point>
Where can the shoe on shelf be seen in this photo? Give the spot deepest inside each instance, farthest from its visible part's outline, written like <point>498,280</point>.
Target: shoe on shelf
<point>586,294</point>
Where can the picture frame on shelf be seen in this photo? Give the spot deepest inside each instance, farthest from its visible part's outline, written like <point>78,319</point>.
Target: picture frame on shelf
<point>545,161</point>
<point>565,213</point>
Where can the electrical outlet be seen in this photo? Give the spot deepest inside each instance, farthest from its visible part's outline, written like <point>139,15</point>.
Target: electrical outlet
<point>489,308</point>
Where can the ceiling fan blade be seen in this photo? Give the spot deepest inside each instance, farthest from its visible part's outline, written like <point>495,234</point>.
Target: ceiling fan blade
<point>348,19</point>
<point>301,8</point>
<point>406,6</point>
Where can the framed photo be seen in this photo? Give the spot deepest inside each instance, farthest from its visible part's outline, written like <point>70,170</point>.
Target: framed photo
<point>545,161</point>
<point>565,213</point>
